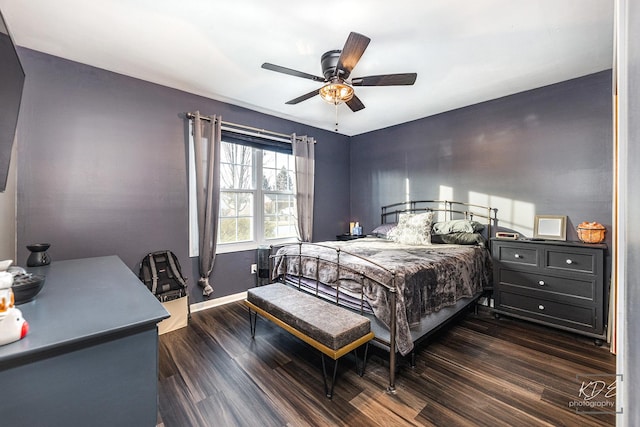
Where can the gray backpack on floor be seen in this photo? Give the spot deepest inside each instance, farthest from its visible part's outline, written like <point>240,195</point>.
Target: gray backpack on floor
<point>160,271</point>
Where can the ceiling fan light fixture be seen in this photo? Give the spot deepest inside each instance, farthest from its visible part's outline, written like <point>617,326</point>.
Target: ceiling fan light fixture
<point>336,69</point>
<point>336,93</point>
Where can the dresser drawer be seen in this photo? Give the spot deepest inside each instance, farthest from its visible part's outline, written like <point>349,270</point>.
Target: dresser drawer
<point>559,287</point>
<point>571,261</point>
<point>548,311</point>
<point>518,255</point>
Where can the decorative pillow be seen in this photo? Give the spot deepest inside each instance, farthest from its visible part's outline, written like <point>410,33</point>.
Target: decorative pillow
<point>383,230</point>
<point>459,239</point>
<point>457,226</point>
<point>413,229</point>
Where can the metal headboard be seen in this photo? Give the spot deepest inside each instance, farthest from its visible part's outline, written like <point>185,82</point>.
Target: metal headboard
<point>452,210</point>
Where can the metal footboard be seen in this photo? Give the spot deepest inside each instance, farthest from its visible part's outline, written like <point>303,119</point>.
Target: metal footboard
<point>336,257</point>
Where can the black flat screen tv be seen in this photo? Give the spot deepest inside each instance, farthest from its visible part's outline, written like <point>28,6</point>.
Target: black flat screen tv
<point>11,85</point>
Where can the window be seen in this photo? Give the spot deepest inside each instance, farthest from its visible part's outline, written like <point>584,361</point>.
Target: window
<point>278,195</point>
<point>257,198</point>
<point>237,193</point>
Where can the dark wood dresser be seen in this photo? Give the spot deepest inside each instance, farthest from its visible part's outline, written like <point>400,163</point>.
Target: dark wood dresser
<point>91,355</point>
<point>558,284</point>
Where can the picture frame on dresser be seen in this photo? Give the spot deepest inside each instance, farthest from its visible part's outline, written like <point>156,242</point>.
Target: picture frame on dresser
<point>550,227</point>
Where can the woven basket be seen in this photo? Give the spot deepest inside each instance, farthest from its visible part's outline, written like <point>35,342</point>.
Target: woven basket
<point>591,232</point>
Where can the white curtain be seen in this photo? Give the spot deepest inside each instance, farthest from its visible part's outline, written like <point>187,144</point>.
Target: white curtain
<point>304,153</point>
<point>206,139</point>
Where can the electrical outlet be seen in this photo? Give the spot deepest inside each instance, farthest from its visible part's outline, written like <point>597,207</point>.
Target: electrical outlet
<point>254,268</point>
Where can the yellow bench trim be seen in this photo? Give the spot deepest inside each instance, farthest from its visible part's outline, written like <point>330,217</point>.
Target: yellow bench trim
<point>334,354</point>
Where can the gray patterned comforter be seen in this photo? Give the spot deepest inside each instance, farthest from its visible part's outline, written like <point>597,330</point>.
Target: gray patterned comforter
<point>427,278</point>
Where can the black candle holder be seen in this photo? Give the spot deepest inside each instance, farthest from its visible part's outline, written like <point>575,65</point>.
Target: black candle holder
<point>39,256</point>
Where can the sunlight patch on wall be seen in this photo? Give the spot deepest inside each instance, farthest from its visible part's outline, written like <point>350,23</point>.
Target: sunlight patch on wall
<point>514,215</point>
<point>445,193</point>
<point>407,190</point>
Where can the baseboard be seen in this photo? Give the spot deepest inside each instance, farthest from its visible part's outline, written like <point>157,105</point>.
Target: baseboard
<point>217,302</point>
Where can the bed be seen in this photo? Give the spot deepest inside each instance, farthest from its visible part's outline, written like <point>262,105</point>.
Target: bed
<point>426,262</point>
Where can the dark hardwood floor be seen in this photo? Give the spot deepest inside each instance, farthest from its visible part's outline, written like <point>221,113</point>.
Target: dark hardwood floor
<point>477,372</point>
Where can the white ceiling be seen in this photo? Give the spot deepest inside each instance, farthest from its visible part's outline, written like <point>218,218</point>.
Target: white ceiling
<point>464,51</point>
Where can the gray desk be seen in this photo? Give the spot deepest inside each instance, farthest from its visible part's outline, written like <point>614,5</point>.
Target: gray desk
<point>91,354</point>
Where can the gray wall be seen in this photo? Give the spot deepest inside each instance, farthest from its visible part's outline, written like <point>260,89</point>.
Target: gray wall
<point>102,168</point>
<point>545,151</point>
<point>631,195</point>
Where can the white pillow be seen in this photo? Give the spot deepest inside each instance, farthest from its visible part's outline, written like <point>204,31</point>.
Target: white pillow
<point>413,229</point>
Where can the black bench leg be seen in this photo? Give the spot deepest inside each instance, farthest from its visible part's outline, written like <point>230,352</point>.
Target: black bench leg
<point>252,322</point>
<point>328,391</point>
<point>360,369</point>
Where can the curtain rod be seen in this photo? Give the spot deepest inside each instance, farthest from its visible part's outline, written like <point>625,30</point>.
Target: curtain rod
<point>261,132</point>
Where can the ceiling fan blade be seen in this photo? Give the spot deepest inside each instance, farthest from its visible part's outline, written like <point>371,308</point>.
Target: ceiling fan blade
<point>353,49</point>
<point>386,80</point>
<point>291,72</point>
<point>303,97</point>
<point>355,104</point>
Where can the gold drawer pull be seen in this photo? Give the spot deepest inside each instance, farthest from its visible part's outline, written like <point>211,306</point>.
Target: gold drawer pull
<point>541,283</point>
<point>569,261</point>
<point>517,256</point>
<point>541,307</point>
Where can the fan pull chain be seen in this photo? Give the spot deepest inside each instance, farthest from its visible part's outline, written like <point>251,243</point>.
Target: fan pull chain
<point>336,117</point>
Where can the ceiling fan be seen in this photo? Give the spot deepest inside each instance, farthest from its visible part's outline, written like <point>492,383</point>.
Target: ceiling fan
<point>336,68</point>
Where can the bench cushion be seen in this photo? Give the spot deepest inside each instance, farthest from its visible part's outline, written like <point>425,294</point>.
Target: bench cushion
<point>326,323</point>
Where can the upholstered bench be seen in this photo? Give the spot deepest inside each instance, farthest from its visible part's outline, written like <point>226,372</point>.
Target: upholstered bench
<point>333,330</point>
